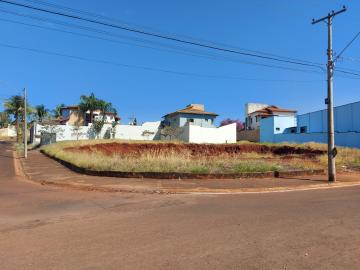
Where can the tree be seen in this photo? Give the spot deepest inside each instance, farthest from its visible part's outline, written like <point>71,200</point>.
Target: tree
<point>56,113</point>
<point>4,119</point>
<point>104,107</point>
<point>15,106</point>
<point>228,121</point>
<point>41,112</point>
<point>170,132</point>
<point>89,103</point>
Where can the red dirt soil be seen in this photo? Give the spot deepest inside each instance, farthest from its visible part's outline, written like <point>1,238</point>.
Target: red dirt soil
<point>204,150</point>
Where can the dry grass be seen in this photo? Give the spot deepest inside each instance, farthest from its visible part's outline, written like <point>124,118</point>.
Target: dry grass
<point>346,159</point>
<point>175,162</point>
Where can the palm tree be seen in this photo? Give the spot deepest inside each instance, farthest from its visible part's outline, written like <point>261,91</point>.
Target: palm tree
<point>15,106</point>
<point>4,119</point>
<point>41,112</point>
<point>57,111</point>
<point>89,103</point>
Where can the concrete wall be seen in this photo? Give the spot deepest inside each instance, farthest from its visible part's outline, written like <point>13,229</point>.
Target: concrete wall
<point>346,118</point>
<point>275,125</point>
<point>347,127</point>
<point>8,132</point>
<point>248,135</point>
<point>147,131</point>
<point>252,107</point>
<point>224,134</point>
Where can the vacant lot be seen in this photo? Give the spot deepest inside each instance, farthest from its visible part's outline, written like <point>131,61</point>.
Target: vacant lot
<point>198,158</point>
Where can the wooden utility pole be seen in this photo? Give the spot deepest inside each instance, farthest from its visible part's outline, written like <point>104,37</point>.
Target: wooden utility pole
<point>25,124</point>
<point>329,100</point>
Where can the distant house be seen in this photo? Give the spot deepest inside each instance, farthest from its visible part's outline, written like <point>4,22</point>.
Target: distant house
<point>72,115</point>
<point>312,127</point>
<point>254,112</point>
<point>193,114</point>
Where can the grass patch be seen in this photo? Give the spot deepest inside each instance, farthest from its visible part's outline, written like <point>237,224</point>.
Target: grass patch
<point>184,162</point>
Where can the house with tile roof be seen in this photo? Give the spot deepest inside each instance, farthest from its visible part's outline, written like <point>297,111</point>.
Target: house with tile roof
<point>193,114</point>
<point>254,112</point>
<point>72,115</point>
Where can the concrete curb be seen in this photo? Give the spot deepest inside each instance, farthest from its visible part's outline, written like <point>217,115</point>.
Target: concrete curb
<point>195,191</point>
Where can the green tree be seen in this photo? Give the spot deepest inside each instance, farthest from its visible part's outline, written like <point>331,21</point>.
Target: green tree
<point>56,113</point>
<point>15,106</point>
<point>104,107</point>
<point>41,112</point>
<point>89,103</point>
<point>4,119</point>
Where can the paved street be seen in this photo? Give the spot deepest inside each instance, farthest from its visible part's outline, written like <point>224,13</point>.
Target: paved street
<point>43,227</point>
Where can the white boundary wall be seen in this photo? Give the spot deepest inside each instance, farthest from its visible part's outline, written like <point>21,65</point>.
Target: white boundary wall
<point>147,132</point>
<point>8,132</point>
<point>224,134</point>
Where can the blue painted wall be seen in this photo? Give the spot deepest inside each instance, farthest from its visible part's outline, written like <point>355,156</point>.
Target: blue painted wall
<point>347,127</point>
<point>346,118</point>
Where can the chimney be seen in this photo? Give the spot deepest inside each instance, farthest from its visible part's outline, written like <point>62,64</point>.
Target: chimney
<point>199,107</point>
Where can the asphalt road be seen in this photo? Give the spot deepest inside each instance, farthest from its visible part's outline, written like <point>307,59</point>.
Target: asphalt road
<point>52,228</point>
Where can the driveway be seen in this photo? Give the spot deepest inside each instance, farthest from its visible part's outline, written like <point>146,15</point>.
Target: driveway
<point>44,227</point>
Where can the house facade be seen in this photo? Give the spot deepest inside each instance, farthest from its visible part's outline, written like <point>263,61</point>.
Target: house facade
<point>193,114</point>
<point>312,127</point>
<point>254,112</point>
<point>73,116</point>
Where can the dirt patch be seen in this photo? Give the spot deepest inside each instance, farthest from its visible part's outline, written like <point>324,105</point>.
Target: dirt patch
<point>195,150</point>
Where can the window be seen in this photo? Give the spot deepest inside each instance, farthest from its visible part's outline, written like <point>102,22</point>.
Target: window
<point>303,129</point>
<point>277,129</point>
<point>191,120</point>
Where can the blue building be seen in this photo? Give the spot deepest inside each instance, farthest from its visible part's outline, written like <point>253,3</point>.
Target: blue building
<point>193,114</point>
<point>312,127</point>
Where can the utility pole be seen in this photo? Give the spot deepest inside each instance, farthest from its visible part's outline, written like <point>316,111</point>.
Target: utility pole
<point>25,124</point>
<point>329,100</point>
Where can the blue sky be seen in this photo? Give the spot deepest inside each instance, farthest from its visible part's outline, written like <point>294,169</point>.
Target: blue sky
<point>277,27</point>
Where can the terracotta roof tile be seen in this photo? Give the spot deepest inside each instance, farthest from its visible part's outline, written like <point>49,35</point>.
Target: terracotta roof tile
<point>191,111</point>
<point>273,109</point>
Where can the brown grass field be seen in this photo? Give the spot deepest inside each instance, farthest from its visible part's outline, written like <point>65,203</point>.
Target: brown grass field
<point>115,155</point>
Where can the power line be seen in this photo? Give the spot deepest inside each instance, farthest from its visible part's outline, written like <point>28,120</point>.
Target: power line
<point>52,4</point>
<point>139,67</point>
<point>165,37</point>
<point>347,46</point>
<point>352,59</point>
<point>348,72</point>
<point>202,55</point>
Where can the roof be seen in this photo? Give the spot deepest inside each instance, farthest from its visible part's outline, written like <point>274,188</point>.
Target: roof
<point>77,107</point>
<point>190,109</point>
<point>271,110</point>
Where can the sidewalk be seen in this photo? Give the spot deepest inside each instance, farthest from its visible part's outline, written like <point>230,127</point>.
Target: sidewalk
<point>44,170</point>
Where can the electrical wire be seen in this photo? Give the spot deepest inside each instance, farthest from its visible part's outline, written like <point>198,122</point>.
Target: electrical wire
<point>141,67</point>
<point>52,4</point>
<point>202,55</point>
<point>134,30</point>
<point>347,46</point>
